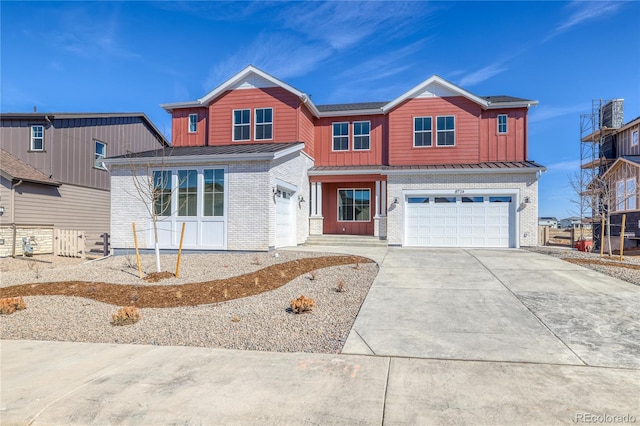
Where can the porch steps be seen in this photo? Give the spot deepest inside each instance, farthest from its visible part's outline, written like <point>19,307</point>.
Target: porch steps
<point>345,240</point>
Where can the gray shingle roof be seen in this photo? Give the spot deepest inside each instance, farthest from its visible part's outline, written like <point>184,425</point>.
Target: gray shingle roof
<point>17,169</point>
<point>235,149</point>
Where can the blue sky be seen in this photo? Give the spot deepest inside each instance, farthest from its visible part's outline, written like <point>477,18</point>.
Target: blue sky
<point>133,56</point>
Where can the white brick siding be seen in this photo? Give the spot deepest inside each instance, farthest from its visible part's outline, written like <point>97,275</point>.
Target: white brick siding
<point>127,208</point>
<point>525,183</point>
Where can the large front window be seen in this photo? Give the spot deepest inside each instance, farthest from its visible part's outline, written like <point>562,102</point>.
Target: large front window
<point>241,124</point>
<point>620,195</point>
<point>340,136</point>
<point>361,135</point>
<point>162,193</point>
<point>354,205</point>
<point>264,123</point>
<point>213,192</point>
<point>446,129</point>
<point>187,193</point>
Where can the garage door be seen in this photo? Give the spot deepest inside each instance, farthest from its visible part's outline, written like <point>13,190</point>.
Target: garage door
<point>285,219</point>
<point>459,221</point>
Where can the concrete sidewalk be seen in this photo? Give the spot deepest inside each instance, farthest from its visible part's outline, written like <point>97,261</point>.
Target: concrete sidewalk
<point>63,383</point>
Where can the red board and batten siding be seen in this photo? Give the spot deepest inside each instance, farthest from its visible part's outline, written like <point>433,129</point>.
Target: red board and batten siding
<point>331,225</point>
<point>326,156</point>
<point>180,127</point>
<point>307,130</point>
<point>467,129</point>
<point>508,147</point>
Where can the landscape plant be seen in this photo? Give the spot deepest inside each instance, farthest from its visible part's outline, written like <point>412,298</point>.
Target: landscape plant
<point>9,305</point>
<point>302,304</point>
<point>126,315</point>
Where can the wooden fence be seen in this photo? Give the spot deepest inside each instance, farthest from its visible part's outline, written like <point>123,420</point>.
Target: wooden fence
<point>68,243</point>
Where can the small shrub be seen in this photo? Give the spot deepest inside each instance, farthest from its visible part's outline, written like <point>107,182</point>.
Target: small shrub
<point>256,281</point>
<point>235,318</point>
<point>313,275</point>
<point>256,260</point>
<point>357,265</point>
<point>35,267</point>
<point>9,305</point>
<point>126,315</point>
<point>340,286</point>
<point>302,304</point>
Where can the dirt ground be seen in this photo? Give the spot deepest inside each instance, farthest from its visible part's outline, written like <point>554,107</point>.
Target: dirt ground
<point>166,296</point>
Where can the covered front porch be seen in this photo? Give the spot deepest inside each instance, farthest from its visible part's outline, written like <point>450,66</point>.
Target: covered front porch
<point>348,204</point>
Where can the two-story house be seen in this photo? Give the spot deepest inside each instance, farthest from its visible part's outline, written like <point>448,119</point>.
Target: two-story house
<point>256,165</point>
<point>52,173</point>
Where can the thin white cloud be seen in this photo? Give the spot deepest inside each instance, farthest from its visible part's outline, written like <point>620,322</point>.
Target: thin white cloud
<point>483,74</point>
<point>542,113</point>
<point>584,11</point>
<point>564,166</point>
<point>278,54</point>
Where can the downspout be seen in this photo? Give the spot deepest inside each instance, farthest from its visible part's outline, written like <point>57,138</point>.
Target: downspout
<point>13,216</point>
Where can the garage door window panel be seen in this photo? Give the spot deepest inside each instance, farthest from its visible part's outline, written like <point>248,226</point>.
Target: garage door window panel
<point>354,205</point>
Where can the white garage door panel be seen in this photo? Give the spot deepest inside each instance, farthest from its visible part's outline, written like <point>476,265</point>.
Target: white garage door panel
<point>458,224</point>
<point>285,219</point>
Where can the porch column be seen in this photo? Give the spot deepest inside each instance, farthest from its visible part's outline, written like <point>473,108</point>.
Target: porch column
<point>314,207</point>
<point>377,199</point>
<point>383,200</point>
<point>319,200</point>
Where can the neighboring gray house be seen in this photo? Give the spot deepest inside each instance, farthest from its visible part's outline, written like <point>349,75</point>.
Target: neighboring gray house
<point>569,222</point>
<point>52,174</point>
<point>548,221</point>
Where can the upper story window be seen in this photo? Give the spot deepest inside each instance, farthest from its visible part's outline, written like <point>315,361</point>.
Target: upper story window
<point>361,135</point>
<point>264,123</point>
<point>340,136</point>
<point>37,138</point>
<point>241,124</point>
<point>446,130</point>
<point>634,138</point>
<point>422,131</point>
<point>502,124</point>
<point>99,154</point>
<point>193,123</point>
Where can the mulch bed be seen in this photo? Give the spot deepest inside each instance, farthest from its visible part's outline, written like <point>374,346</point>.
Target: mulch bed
<point>169,296</point>
<point>617,264</point>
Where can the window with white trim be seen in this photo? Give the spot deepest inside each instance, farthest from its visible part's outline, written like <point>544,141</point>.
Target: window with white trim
<point>241,124</point>
<point>187,192</point>
<point>422,131</point>
<point>99,154</point>
<point>446,130</point>
<point>161,195</point>
<point>37,138</point>
<point>354,205</point>
<point>213,193</point>
<point>634,138</point>
<point>341,136</point>
<point>502,124</point>
<point>631,194</point>
<point>264,123</point>
<point>193,123</point>
<point>361,135</point>
<point>620,195</point>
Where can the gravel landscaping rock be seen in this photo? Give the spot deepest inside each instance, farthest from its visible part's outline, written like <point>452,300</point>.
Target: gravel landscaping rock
<point>260,322</point>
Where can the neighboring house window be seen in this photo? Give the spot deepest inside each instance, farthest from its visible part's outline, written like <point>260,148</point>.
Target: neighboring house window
<point>361,135</point>
<point>264,123</point>
<point>502,124</point>
<point>620,195</point>
<point>193,123</point>
<point>241,124</point>
<point>631,194</point>
<point>422,131</point>
<point>162,193</point>
<point>213,192</point>
<point>354,205</point>
<point>187,193</point>
<point>100,152</point>
<point>634,138</point>
<point>340,136</point>
<point>446,130</point>
<point>37,138</point>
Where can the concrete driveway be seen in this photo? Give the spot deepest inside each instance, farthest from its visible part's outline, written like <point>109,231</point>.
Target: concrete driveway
<point>497,305</point>
<point>482,337</point>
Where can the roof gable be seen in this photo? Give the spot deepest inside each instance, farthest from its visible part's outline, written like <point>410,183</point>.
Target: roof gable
<point>632,162</point>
